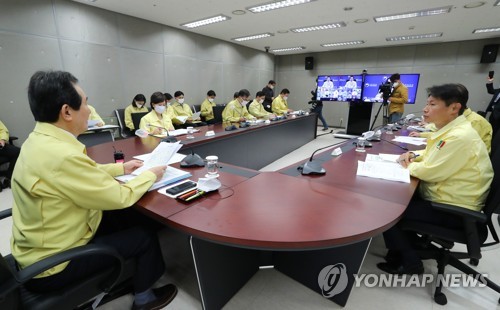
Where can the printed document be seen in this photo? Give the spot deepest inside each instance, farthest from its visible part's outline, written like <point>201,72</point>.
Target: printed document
<point>383,167</point>
<point>161,155</point>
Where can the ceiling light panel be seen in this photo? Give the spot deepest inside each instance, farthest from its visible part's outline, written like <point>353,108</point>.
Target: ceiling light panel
<point>276,5</point>
<point>206,21</point>
<point>288,49</point>
<point>484,30</point>
<point>319,27</point>
<point>253,37</point>
<point>343,43</point>
<point>422,13</point>
<point>415,37</point>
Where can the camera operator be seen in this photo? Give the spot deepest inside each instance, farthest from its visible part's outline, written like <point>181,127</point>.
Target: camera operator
<point>494,105</point>
<point>317,107</point>
<point>397,99</point>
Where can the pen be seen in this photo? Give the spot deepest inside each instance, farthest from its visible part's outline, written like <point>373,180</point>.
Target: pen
<point>195,195</point>
<point>185,195</point>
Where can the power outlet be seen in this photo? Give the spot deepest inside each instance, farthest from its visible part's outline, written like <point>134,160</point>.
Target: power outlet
<point>341,122</point>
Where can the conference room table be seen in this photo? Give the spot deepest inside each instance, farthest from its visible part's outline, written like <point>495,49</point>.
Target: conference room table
<point>315,229</point>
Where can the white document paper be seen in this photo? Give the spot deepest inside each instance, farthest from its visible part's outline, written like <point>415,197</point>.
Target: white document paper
<point>196,116</point>
<point>389,158</point>
<point>411,140</point>
<point>170,176</point>
<point>383,170</point>
<point>182,119</point>
<point>161,155</point>
<point>92,122</point>
<point>177,158</point>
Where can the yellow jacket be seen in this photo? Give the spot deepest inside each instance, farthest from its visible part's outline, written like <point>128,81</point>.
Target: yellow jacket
<point>128,115</point>
<point>152,119</point>
<point>234,111</point>
<point>4,132</point>
<point>59,194</point>
<point>279,106</point>
<point>180,110</point>
<point>257,109</point>
<point>207,110</point>
<point>399,98</point>
<point>93,114</point>
<point>479,123</point>
<point>455,167</point>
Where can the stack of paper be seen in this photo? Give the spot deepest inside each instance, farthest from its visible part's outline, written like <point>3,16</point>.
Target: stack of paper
<point>383,166</point>
<point>411,140</point>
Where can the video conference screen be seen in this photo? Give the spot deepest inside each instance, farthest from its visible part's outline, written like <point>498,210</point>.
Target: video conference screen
<point>339,87</point>
<point>372,83</point>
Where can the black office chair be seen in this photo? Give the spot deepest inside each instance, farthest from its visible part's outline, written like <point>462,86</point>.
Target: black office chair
<point>196,108</point>
<point>112,282</point>
<point>136,118</point>
<point>473,235</point>
<point>4,161</point>
<point>124,131</point>
<point>94,138</point>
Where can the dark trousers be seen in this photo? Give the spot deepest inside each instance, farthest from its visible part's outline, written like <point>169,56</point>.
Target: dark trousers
<point>495,123</point>
<point>420,210</point>
<point>124,231</point>
<point>11,153</point>
<point>319,110</point>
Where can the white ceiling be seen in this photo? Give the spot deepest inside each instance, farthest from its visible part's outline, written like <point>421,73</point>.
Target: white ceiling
<point>455,26</point>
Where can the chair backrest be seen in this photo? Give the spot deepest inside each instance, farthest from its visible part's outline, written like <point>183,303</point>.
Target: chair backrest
<point>196,108</point>
<point>218,113</point>
<point>136,118</point>
<point>120,116</point>
<point>94,138</point>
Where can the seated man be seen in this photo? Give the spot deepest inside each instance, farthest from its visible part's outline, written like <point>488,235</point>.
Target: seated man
<point>236,110</point>
<point>280,103</point>
<point>206,108</point>
<point>454,168</point>
<point>94,116</point>
<point>257,109</point>
<point>181,113</point>
<point>8,151</point>
<point>63,199</point>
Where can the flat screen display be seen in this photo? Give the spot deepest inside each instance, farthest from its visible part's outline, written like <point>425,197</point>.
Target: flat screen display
<point>339,87</point>
<point>372,83</point>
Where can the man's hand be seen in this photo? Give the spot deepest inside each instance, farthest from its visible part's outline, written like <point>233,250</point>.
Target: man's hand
<point>100,124</point>
<point>131,165</point>
<point>2,143</point>
<point>406,158</point>
<point>158,171</point>
<point>414,134</point>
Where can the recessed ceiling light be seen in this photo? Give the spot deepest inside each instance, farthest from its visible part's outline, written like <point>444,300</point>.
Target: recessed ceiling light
<point>361,20</point>
<point>206,21</point>
<point>343,43</point>
<point>473,5</point>
<point>276,5</point>
<point>288,49</point>
<point>282,31</point>
<point>415,37</point>
<point>253,37</point>
<point>319,27</point>
<point>483,30</point>
<point>422,13</point>
<point>239,12</point>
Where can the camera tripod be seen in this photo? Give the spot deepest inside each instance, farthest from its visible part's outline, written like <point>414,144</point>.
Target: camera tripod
<point>385,113</point>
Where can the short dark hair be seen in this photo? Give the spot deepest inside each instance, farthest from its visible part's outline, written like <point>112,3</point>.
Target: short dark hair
<point>211,93</point>
<point>178,93</point>
<point>235,95</point>
<point>157,97</point>
<point>168,96</point>
<point>272,82</point>
<point>450,93</point>
<point>260,94</point>
<point>138,97</point>
<point>395,77</point>
<point>244,93</point>
<point>48,91</point>
<point>285,91</point>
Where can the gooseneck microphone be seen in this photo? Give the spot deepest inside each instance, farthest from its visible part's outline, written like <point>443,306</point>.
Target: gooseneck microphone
<point>314,166</point>
<point>169,138</point>
<point>192,160</point>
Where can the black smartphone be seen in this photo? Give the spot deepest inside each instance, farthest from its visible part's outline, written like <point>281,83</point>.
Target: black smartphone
<point>181,187</point>
<point>491,74</point>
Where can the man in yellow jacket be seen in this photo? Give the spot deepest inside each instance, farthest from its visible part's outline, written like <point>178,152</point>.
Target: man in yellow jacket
<point>398,98</point>
<point>280,103</point>
<point>236,110</point>
<point>207,108</point>
<point>454,168</point>
<point>257,109</point>
<point>62,197</point>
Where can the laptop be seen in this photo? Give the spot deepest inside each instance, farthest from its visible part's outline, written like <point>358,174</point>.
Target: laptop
<point>136,118</point>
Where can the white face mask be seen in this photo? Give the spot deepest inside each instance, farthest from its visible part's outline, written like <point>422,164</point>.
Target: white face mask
<point>168,102</point>
<point>285,97</point>
<point>181,101</point>
<point>211,99</point>
<point>261,101</point>
<point>271,86</point>
<point>139,105</point>
<point>244,103</point>
<point>160,109</point>
<point>396,84</point>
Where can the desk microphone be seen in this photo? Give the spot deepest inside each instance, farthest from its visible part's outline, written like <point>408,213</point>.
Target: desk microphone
<point>192,160</point>
<point>313,166</point>
<point>169,138</point>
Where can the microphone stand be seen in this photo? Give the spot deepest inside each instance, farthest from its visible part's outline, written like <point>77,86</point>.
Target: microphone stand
<point>314,167</point>
<point>192,160</point>
<point>169,138</point>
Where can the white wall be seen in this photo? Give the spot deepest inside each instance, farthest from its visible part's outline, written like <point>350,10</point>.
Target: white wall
<point>456,62</point>
<point>115,57</point>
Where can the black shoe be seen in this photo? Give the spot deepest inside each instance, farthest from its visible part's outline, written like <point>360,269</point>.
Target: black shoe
<point>164,295</point>
<point>401,269</point>
<point>325,129</point>
<point>393,257</point>
<point>6,183</point>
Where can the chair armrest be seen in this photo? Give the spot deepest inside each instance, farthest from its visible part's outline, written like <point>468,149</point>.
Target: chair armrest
<point>12,139</point>
<point>35,269</point>
<point>460,211</point>
<point>5,214</point>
